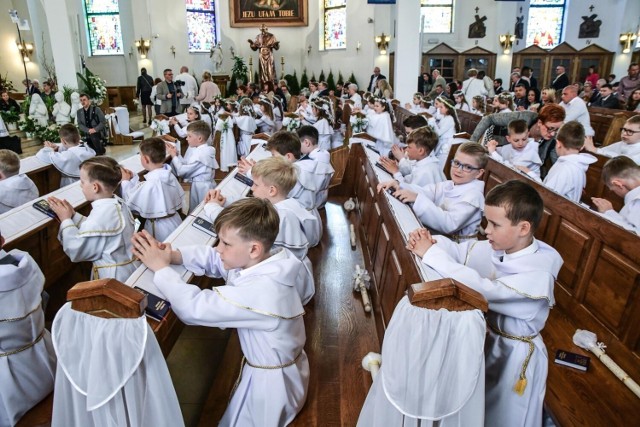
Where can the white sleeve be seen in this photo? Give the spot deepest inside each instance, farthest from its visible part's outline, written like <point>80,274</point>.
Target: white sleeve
<point>437,218</point>
<point>80,248</point>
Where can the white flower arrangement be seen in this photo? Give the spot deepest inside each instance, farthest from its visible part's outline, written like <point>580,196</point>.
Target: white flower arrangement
<point>160,126</point>
<point>95,87</point>
<point>359,122</point>
<point>291,122</point>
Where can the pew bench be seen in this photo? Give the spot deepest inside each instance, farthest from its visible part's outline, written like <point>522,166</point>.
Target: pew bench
<point>44,175</point>
<point>606,122</point>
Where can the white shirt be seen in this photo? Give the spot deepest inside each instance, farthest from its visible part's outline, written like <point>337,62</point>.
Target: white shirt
<point>622,149</point>
<point>15,191</point>
<point>629,215</point>
<point>568,175</point>
<point>576,110</point>
<point>190,88</point>
<point>423,172</point>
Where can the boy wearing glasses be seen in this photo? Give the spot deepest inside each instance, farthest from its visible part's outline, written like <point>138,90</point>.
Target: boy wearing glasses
<point>453,207</point>
<point>629,146</point>
<point>568,176</point>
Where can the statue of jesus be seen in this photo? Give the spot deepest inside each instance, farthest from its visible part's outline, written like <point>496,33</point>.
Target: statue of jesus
<point>266,42</point>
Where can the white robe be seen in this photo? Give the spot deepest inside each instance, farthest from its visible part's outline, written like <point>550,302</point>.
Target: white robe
<point>381,128</point>
<point>266,124</point>
<point>312,188</point>
<point>228,151</point>
<point>111,372</point>
<point>16,191</point>
<point>103,237</point>
<point>622,149</point>
<point>445,126</point>
<point>66,160</point>
<point>26,377</point>
<point>437,377</point>
<point>247,126</point>
<point>451,209</point>
<point>197,167</point>
<point>320,155</point>
<point>527,157</point>
<point>158,199</point>
<point>324,134</point>
<point>264,306</point>
<point>519,288</point>
<point>568,175</point>
<point>423,172</point>
<point>629,215</point>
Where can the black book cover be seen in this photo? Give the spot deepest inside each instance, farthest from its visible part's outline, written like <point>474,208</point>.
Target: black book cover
<point>43,206</point>
<point>379,165</point>
<point>204,225</point>
<point>372,148</point>
<point>157,308</point>
<point>572,360</point>
<point>244,179</point>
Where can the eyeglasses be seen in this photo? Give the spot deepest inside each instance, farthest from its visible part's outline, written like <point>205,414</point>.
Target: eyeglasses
<point>550,129</point>
<point>463,167</point>
<point>629,131</point>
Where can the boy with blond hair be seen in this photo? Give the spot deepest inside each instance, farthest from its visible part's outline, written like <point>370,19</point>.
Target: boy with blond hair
<point>622,176</point>
<point>15,188</point>
<point>259,299</point>
<point>521,153</point>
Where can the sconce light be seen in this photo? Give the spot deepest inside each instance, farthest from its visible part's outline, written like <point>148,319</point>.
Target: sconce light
<point>143,47</point>
<point>358,46</point>
<point>506,41</point>
<point>626,40</point>
<point>383,42</point>
<point>26,49</point>
<point>309,49</point>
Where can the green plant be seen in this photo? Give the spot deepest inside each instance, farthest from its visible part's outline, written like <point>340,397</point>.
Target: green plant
<point>49,102</point>
<point>313,77</point>
<point>6,84</point>
<point>94,86</point>
<point>231,89</point>
<point>239,69</point>
<point>352,78</point>
<point>331,84</point>
<point>27,125</point>
<point>67,91</point>
<point>292,83</point>
<point>10,116</point>
<point>47,133</point>
<point>304,80</point>
<point>321,77</point>
<point>24,107</point>
<point>340,78</point>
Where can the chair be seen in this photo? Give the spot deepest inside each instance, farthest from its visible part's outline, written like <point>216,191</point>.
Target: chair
<point>119,126</point>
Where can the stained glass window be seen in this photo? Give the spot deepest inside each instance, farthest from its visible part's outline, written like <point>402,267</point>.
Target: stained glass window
<point>544,27</point>
<point>103,23</point>
<point>437,16</point>
<point>335,24</point>
<point>201,25</point>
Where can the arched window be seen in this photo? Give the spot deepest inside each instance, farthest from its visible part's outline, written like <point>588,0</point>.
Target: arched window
<point>335,24</point>
<point>437,16</point>
<point>201,25</point>
<point>546,19</point>
<point>103,23</point>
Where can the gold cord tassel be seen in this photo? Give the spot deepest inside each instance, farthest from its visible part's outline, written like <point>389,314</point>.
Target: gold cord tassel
<point>521,384</point>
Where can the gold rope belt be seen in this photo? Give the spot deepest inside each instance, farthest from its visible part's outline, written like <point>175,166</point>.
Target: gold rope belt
<point>521,384</point>
<point>16,319</point>
<point>23,348</point>
<point>244,360</point>
<point>459,237</point>
<point>96,274</point>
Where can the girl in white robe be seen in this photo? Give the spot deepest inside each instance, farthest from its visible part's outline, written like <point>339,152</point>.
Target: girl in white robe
<point>228,150</point>
<point>265,123</point>
<point>181,121</point>
<point>461,101</point>
<point>324,120</point>
<point>446,124</point>
<point>65,157</point>
<point>380,126</point>
<point>158,199</point>
<point>246,122</point>
<point>416,104</point>
<point>27,376</point>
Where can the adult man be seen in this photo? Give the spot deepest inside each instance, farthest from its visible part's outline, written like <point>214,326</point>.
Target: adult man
<point>576,108</point>
<point>144,86</point>
<point>527,73</point>
<point>561,81</point>
<point>521,102</point>
<point>488,83</point>
<point>189,89</point>
<point>32,86</point>
<point>355,96</point>
<point>47,94</point>
<point>630,82</point>
<point>323,89</point>
<point>91,124</point>
<point>168,94</point>
<point>497,86</point>
<point>437,80</point>
<point>473,86</point>
<point>373,81</point>
<point>517,79</point>
<point>606,98</point>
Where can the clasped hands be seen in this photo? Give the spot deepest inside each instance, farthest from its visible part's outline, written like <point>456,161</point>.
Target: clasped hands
<point>420,241</point>
<point>154,254</point>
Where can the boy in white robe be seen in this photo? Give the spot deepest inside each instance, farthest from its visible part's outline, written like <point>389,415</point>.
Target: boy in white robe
<point>15,188</point>
<point>521,153</point>
<point>622,175</point>
<point>259,299</point>
<point>629,145</point>
<point>424,167</point>
<point>198,164</point>
<point>103,237</point>
<point>27,357</point>
<point>157,199</point>
<point>453,207</point>
<point>273,178</point>
<point>67,156</point>
<point>516,274</point>
<point>568,175</point>
<point>321,173</point>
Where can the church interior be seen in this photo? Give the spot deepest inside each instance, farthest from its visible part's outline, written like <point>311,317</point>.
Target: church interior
<point>364,266</point>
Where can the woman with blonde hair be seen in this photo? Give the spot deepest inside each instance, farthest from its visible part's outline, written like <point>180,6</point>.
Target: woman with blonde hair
<point>208,90</point>
<point>384,88</point>
<point>548,96</point>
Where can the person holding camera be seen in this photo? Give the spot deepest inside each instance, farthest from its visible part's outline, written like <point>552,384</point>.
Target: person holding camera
<point>187,83</point>
<point>92,125</point>
<point>169,93</point>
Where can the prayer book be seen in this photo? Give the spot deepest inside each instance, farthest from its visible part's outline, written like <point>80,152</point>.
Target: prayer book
<point>244,179</point>
<point>157,308</point>
<point>572,360</point>
<point>205,226</point>
<point>379,165</point>
<point>43,206</point>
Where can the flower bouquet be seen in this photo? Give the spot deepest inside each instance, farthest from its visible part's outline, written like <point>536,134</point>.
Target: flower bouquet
<point>160,127</point>
<point>291,122</point>
<point>94,86</point>
<point>358,122</point>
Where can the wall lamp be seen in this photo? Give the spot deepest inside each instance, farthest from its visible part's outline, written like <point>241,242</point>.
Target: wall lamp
<point>626,40</point>
<point>26,50</point>
<point>383,43</point>
<point>143,47</point>
<point>506,41</point>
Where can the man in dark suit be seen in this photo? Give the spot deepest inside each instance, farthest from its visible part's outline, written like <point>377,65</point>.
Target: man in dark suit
<point>373,81</point>
<point>606,98</point>
<point>91,124</point>
<point>527,73</point>
<point>323,89</point>
<point>561,81</point>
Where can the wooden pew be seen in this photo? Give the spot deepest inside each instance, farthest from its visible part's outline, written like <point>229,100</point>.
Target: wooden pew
<point>468,121</point>
<point>45,176</point>
<point>401,114</point>
<point>595,186</point>
<point>606,123</point>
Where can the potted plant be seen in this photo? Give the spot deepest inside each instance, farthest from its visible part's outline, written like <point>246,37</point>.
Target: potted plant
<point>28,125</point>
<point>239,70</point>
<point>94,86</point>
<point>11,118</point>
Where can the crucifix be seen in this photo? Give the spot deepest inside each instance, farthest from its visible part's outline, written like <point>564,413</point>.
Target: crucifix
<point>477,9</point>
<point>591,8</point>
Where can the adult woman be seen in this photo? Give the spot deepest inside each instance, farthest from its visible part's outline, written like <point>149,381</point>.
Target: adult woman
<point>533,96</point>
<point>7,103</point>
<point>144,87</point>
<point>208,89</point>
<point>385,89</point>
<point>592,76</point>
<point>548,96</point>
<point>633,104</point>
